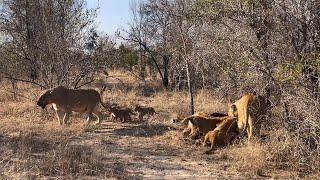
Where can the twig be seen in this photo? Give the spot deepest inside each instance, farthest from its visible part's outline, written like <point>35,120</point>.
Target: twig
<point>77,87</point>
<point>24,80</point>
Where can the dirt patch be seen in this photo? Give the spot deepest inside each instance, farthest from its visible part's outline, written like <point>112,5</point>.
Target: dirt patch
<point>144,151</point>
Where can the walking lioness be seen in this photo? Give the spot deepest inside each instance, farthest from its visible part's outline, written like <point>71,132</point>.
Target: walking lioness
<point>65,101</point>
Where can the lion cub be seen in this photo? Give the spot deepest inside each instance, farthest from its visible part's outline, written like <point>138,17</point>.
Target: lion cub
<point>123,114</point>
<point>222,134</point>
<point>143,111</point>
<point>198,124</point>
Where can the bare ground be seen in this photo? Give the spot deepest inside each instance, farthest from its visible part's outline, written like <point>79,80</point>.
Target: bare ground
<point>145,151</point>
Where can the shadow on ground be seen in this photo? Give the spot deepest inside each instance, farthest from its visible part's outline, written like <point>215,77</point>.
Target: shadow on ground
<point>142,130</point>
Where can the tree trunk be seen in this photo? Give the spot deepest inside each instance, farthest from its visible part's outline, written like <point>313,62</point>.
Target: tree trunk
<point>14,89</point>
<point>186,59</point>
<point>141,64</point>
<point>165,80</point>
<point>190,86</point>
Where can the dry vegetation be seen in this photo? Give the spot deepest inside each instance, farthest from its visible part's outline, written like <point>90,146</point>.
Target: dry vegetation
<point>33,145</point>
<point>175,55</point>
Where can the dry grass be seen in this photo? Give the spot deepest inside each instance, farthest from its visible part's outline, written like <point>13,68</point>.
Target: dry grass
<point>288,152</point>
<point>250,159</point>
<point>32,142</point>
<point>178,102</point>
<point>24,117</point>
<point>72,160</point>
<point>34,145</point>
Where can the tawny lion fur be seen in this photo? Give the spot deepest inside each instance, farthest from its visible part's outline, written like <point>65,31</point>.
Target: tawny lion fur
<point>198,124</point>
<point>222,134</point>
<point>214,114</point>
<point>65,101</point>
<point>249,110</point>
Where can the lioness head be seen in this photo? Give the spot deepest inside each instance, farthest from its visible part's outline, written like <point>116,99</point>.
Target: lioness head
<point>232,111</point>
<point>45,99</point>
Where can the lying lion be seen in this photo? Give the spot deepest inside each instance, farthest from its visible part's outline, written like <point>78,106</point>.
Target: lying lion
<point>199,124</point>
<point>65,101</point>
<point>214,114</point>
<point>222,134</point>
<point>143,111</point>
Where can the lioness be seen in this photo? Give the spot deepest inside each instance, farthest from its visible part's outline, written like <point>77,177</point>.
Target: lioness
<point>249,110</point>
<point>200,125</point>
<point>124,114</point>
<point>214,114</point>
<point>222,134</point>
<point>65,100</point>
<point>143,111</point>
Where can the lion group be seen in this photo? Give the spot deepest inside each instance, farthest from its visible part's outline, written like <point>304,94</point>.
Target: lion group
<point>218,129</point>
<point>86,101</point>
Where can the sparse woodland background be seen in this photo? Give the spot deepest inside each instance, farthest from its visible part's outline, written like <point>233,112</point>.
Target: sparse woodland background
<point>229,47</point>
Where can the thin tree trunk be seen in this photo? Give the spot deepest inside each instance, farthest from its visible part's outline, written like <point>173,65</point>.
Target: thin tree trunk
<point>185,57</point>
<point>190,86</point>
<point>141,64</point>
<point>14,89</point>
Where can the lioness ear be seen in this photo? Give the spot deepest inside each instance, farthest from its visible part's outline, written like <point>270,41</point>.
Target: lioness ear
<point>233,107</point>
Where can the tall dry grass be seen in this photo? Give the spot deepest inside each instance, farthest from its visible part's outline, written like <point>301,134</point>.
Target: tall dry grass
<point>32,141</point>
<point>281,148</point>
<point>249,159</point>
<point>34,145</point>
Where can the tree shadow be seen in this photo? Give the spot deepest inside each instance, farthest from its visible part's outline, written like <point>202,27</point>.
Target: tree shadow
<point>143,130</point>
<point>27,143</point>
<point>150,158</point>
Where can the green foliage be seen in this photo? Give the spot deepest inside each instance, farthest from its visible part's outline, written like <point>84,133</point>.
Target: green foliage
<point>289,72</point>
<point>205,7</point>
<point>248,3</point>
<point>92,41</point>
<point>201,3</point>
<point>129,59</point>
